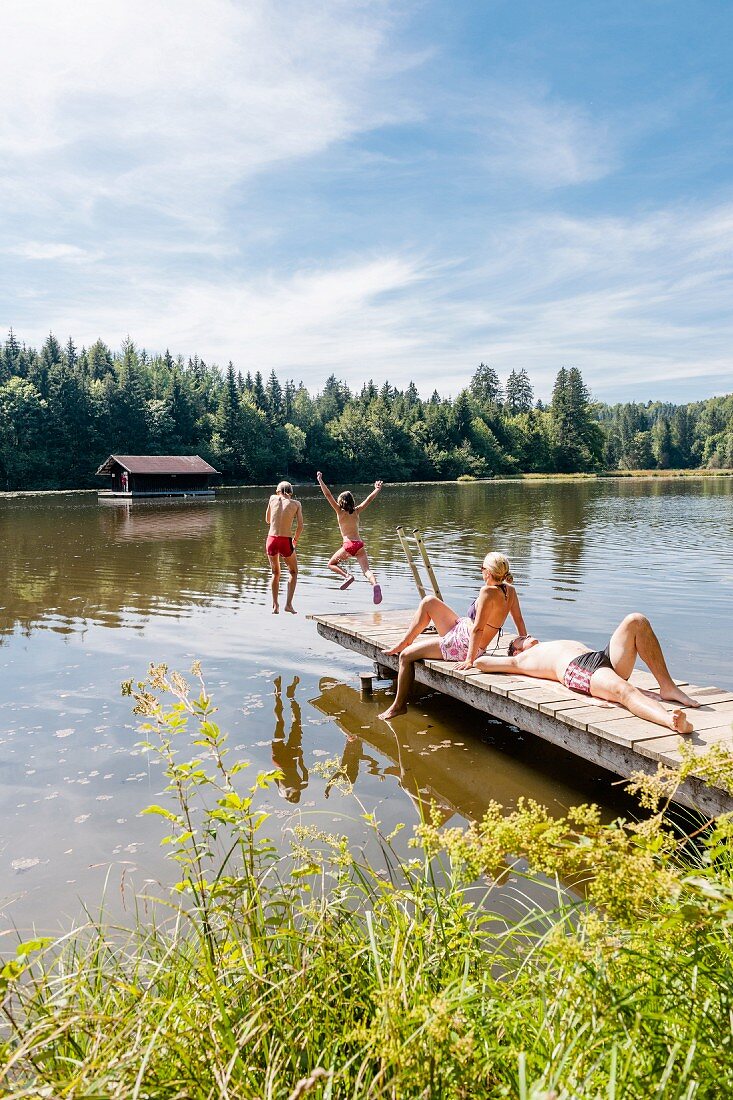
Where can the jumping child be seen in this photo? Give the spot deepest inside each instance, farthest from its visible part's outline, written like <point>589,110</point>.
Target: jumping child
<point>347,514</point>
<point>282,511</point>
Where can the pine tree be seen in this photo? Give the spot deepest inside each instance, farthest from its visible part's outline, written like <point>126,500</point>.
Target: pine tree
<point>662,443</point>
<point>412,397</point>
<point>71,356</point>
<point>288,399</point>
<point>258,393</point>
<point>682,438</point>
<point>229,444</point>
<point>275,398</point>
<point>576,438</point>
<point>462,416</point>
<point>519,395</point>
<point>485,387</point>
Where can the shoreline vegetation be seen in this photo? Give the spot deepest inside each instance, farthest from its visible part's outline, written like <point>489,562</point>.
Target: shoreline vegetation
<point>426,971</point>
<point>63,410</point>
<point>495,479</point>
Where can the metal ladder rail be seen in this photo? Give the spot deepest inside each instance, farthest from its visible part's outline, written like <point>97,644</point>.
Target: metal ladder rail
<point>411,562</point>
<point>424,553</point>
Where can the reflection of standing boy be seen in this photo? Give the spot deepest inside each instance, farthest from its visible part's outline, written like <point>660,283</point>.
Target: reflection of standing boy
<point>282,511</point>
<point>287,756</point>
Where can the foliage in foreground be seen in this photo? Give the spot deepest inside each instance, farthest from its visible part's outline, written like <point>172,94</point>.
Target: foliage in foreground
<point>323,974</point>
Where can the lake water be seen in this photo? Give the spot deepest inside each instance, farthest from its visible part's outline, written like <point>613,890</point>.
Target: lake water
<point>94,592</point>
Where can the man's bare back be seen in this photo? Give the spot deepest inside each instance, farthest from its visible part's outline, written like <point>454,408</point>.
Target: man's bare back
<point>282,512</point>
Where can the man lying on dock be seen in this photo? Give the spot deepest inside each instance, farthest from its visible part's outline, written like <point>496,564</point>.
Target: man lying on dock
<point>604,673</point>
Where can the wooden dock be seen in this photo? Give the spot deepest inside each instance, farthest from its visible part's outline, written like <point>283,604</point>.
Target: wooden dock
<point>603,733</point>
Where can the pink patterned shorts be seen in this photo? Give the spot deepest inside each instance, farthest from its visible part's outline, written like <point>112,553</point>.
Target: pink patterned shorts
<point>454,644</point>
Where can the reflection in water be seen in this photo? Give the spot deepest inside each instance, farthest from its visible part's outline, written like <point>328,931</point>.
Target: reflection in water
<point>456,775</point>
<point>351,761</point>
<point>128,521</point>
<point>287,756</point>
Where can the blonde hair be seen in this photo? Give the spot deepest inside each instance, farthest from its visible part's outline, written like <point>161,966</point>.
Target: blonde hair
<point>497,565</point>
<point>285,487</point>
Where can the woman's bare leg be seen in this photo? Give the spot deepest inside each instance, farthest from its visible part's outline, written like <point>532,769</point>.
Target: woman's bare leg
<point>333,565</point>
<point>275,582</point>
<point>418,651</point>
<point>634,636</point>
<point>429,609</point>
<point>607,684</point>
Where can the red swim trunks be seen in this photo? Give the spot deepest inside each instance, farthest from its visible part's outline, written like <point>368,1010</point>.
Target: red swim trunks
<point>352,546</point>
<point>279,544</point>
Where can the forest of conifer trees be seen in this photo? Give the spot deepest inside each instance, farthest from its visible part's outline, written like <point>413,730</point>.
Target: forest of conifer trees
<point>64,409</point>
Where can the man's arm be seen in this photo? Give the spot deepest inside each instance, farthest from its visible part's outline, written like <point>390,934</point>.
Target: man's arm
<point>327,492</point>
<point>368,500</point>
<point>267,513</point>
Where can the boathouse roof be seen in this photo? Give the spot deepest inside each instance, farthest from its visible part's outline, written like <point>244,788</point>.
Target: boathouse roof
<point>158,464</point>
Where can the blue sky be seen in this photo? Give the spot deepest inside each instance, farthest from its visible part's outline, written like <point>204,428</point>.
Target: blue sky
<point>376,189</point>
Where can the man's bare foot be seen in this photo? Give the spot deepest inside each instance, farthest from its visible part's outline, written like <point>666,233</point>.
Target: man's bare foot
<point>392,712</point>
<point>677,695</point>
<point>680,722</point>
<point>275,609</point>
<point>289,607</point>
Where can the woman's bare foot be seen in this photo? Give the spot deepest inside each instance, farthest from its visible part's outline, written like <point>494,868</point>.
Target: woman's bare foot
<point>289,607</point>
<point>680,722</point>
<point>677,695</point>
<point>392,712</point>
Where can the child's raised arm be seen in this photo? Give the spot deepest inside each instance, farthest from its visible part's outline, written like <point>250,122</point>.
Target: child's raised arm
<point>327,492</point>
<point>368,500</point>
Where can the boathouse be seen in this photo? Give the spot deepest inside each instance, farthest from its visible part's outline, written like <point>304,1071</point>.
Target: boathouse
<point>157,476</point>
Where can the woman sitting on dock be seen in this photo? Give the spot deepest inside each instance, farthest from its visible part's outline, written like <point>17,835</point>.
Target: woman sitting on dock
<point>604,673</point>
<point>462,639</point>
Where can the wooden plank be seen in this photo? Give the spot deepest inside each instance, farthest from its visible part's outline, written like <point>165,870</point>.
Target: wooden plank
<point>711,695</point>
<point>709,717</point>
<point>577,702</point>
<point>668,748</point>
<point>628,729</point>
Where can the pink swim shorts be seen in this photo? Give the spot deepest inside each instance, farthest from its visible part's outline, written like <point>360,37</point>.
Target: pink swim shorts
<point>454,644</point>
<point>352,546</point>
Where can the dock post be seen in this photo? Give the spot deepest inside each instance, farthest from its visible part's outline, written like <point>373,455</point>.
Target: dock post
<point>384,672</point>
<point>366,681</point>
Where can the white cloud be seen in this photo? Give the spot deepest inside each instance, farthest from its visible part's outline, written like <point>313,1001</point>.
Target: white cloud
<point>627,300</point>
<point>544,141</point>
<point>40,250</point>
<point>168,103</point>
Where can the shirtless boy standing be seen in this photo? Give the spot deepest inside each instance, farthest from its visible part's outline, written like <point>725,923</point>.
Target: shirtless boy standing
<point>282,511</point>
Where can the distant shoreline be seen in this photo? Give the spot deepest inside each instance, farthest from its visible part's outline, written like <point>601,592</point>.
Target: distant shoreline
<point>611,475</point>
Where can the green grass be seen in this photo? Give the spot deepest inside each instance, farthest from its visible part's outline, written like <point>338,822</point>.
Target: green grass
<point>324,974</point>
